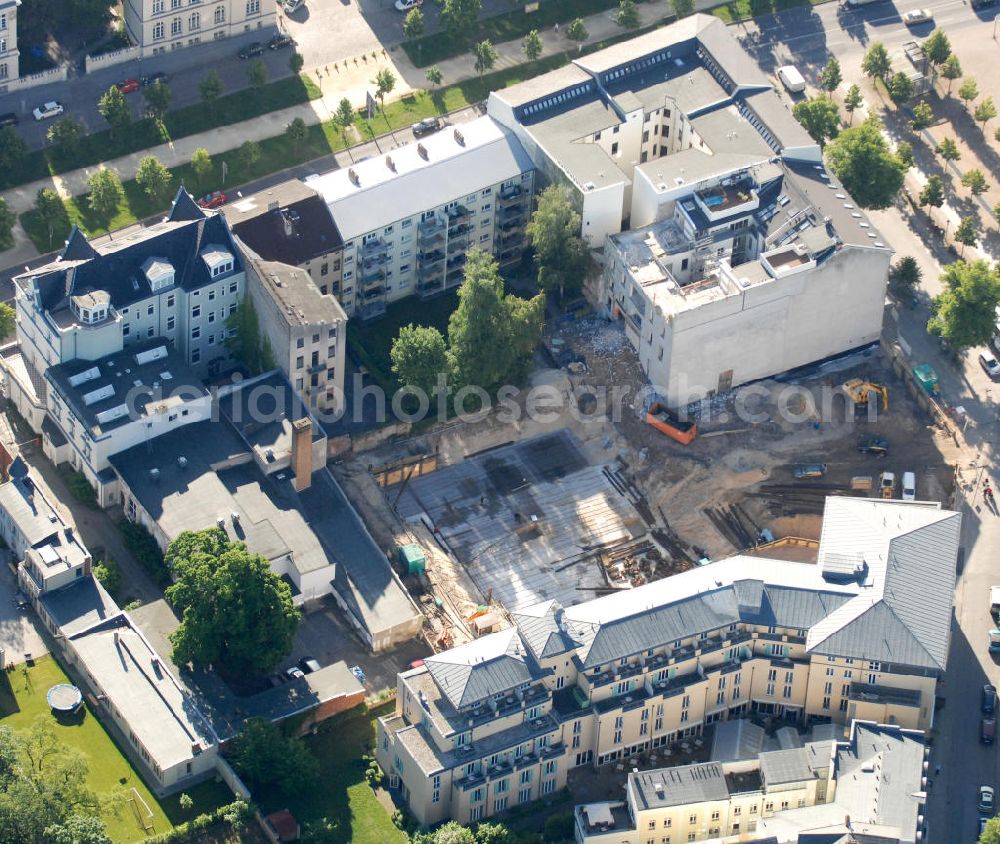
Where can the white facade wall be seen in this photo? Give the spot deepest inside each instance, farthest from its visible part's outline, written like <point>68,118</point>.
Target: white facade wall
<point>9,54</point>
<point>157,26</point>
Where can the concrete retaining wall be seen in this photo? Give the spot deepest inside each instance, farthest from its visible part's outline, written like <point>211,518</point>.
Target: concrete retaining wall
<point>126,54</point>
<point>54,74</point>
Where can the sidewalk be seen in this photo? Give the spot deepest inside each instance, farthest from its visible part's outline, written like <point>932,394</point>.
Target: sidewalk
<point>345,81</point>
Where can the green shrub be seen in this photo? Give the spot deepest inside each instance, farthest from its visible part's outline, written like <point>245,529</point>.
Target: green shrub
<point>109,575</point>
<point>81,489</point>
<point>141,543</point>
<point>559,828</point>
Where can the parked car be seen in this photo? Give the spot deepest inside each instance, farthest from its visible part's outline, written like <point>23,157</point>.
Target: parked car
<point>417,663</point>
<point>989,699</point>
<point>809,470</point>
<point>989,363</point>
<point>983,4</point>
<point>426,126</point>
<point>309,665</point>
<point>128,86</point>
<point>9,119</point>
<point>281,40</point>
<point>49,109</point>
<point>986,798</point>
<point>915,16</point>
<point>406,5</point>
<point>213,199</point>
<point>359,674</point>
<point>251,50</point>
<point>292,6</point>
<point>153,78</point>
<point>988,730</point>
<point>873,444</point>
<point>294,673</point>
<point>909,486</point>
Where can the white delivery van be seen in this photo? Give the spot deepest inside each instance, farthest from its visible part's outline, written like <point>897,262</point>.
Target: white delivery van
<point>909,486</point>
<point>791,79</point>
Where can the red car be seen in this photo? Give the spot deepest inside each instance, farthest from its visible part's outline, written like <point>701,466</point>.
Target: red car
<point>212,200</point>
<point>129,86</point>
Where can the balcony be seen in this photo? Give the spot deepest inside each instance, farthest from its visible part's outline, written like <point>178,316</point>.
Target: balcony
<point>371,310</point>
<point>373,273</point>
<point>426,260</point>
<point>454,277</point>
<point>373,249</point>
<point>372,293</point>
<point>430,230</point>
<point>458,214</point>
<point>510,196</point>
<point>432,288</point>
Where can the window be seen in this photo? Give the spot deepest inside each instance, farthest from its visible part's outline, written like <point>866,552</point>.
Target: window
<point>150,331</point>
<point>170,323</point>
<point>149,310</point>
<point>211,316</point>
<point>170,300</point>
<point>195,356</point>
<point>299,362</point>
<point>548,786</point>
<point>300,343</point>
<point>874,666</point>
<point>524,795</point>
<point>211,295</point>
<point>253,7</point>
<point>220,14</point>
<point>826,703</point>
<point>525,777</point>
<point>175,26</point>
<point>126,330</point>
<point>872,679</point>
<point>234,286</point>
<point>211,339</point>
<point>829,672</point>
<point>158,31</point>
<point>158,6</point>
<point>196,312</point>
<point>195,332</point>
<point>614,148</point>
<point>194,21</point>
<point>477,796</point>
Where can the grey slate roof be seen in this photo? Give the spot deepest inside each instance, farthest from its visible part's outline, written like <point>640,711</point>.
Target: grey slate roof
<point>483,668</point>
<point>540,629</point>
<point>679,786</point>
<point>784,766</point>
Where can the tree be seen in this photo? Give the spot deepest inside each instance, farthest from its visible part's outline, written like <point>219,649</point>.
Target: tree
<point>831,77</point>
<point>79,829</point>
<point>967,232</point>
<point>948,150</point>
<point>297,132</point>
<point>245,341</point>
<point>12,148</point>
<point>876,63</point>
<point>532,45</point>
<point>249,153</point>
<point>991,835</point>
<point>975,181</point>
<point>344,117</point>
<point>157,98</point>
<point>493,833</point>
<point>904,277</point>
<point>384,82</point>
<point>106,194</point>
<point>211,87</point>
<point>820,118</point>
<point>554,229</point>
<point>486,56</point>
<point>433,75</point>
<point>900,88</point>
<point>153,177</point>
<point>577,31</point>
<point>201,163</point>
<point>682,8</point>
<point>235,612</point>
<point>414,25</point>
<point>627,16</point>
<point>904,152</point>
<point>937,47</point>
<point>459,16</point>
<point>965,311</point>
<point>923,116</point>
<point>419,354</point>
<point>932,193</point>
<point>985,112</point>
<point>968,90</point>
<point>491,336</point>
<point>951,70</point>
<point>114,110</point>
<point>296,61</point>
<point>185,802</point>
<point>65,135</point>
<point>265,757</point>
<point>862,160</point>
<point>257,74</point>
<point>50,212</point>
<point>852,102</point>
<point>7,220</point>
<point>454,833</point>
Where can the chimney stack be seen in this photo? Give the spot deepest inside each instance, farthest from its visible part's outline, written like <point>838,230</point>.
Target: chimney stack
<point>302,453</point>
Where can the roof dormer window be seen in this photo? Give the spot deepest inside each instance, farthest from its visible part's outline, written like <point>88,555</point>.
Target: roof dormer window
<point>218,260</point>
<point>159,273</point>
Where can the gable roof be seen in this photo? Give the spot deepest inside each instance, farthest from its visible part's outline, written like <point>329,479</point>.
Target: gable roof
<point>539,626</point>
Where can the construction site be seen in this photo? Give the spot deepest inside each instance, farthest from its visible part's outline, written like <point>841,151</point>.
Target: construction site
<point>509,513</point>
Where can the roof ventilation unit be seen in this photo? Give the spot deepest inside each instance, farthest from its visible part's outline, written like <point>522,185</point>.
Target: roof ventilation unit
<point>353,177</point>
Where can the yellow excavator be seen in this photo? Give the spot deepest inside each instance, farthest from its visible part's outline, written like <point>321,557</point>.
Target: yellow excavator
<point>861,392</point>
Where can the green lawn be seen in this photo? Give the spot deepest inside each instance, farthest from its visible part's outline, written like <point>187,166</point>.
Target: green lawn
<point>741,10</point>
<point>341,792</point>
<point>22,699</point>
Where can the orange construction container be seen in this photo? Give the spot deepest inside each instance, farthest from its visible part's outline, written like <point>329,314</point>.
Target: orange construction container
<point>668,423</point>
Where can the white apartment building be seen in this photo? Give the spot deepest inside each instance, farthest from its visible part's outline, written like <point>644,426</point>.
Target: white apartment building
<point>157,26</point>
<point>408,218</point>
<point>752,268</point>
<point>870,784</point>
<point>9,54</point>
<point>596,123</point>
<point>862,633</point>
